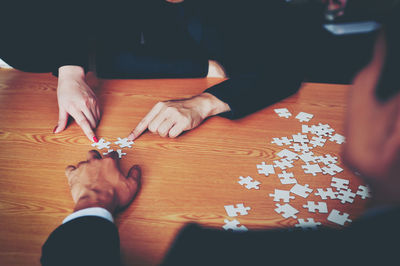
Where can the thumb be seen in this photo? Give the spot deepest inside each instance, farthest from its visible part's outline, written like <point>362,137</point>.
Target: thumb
<point>131,186</point>
<point>135,173</point>
<point>62,121</point>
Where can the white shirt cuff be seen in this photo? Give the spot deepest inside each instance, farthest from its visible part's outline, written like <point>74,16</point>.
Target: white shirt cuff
<point>94,211</point>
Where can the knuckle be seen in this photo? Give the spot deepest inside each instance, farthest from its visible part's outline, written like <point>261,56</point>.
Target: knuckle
<point>152,128</point>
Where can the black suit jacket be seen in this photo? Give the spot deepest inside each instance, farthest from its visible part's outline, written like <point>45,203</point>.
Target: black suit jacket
<point>368,241</point>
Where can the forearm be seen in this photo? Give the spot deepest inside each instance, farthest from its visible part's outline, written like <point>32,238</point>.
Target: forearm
<point>86,240</point>
<point>247,95</point>
<point>71,72</point>
<point>209,105</point>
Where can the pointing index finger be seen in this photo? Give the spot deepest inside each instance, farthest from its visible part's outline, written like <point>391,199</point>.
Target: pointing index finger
<point>144,123</point>
<point>82,121</point>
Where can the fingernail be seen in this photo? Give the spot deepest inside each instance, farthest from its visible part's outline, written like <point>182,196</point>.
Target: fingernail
<point>131,137</point>
<point>54,130</point>
<point>95,139</point>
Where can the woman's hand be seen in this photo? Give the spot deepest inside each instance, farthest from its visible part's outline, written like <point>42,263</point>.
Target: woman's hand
<point>75,98</point>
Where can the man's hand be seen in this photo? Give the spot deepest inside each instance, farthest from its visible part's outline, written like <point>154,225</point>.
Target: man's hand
<point>171,118</point>
<point>75,98</point>
<point>373,131</point>
<point>99,182</point>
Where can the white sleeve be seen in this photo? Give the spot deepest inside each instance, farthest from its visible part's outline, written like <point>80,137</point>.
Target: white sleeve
<point>94,211</point>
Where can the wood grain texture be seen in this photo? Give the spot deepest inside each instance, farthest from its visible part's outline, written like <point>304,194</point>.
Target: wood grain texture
<point>188,179</point>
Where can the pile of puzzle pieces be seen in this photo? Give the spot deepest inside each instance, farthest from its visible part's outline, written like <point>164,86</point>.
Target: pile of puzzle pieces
<point>298,148</point>
<point>122,143</point>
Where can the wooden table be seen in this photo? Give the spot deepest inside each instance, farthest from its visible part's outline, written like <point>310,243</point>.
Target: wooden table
<point>188,179</point>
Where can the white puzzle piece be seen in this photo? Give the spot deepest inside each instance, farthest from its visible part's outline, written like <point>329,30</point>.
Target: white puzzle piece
<point>123,143</point>
<point>304,117</point>
<point>339,139</point>
<point>289,155</point>
<point>286,178</point>
<point>311,169</point>
<point>364,192</point>
<point>317,141</point>
<point>302,191</point>
<point>265,169</point>
<point>282,141</point>
<point>337,218</point>
<point>286,210</point>
<point>233,225</point>
<point>331,169</point>
<point>324,194</point>
<point>102,144</point>
<point>281,195</point>
<point>248,182</point>
<point>327,159</point>
<point>312,207</point>
<point>283,112</point>
<point>233,211</point>
<point>309,224</point>
<point>346,196</point>
<point>339,183</point>
<point>283,164</point>
<point>300,147</point>
<point>308,157</point>
<point>300,138</point>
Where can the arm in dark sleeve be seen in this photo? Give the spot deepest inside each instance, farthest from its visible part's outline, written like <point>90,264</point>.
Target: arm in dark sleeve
<point>85,241</point>
<point>246,95</point>
<point>368,241</point>
<point>266,51</point>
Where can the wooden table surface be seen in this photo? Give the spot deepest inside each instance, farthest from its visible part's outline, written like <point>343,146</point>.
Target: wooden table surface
<point>188,179</point>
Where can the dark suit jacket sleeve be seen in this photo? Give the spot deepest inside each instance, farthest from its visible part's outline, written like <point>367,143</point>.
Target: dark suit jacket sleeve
<point>88,240</point>
<point>368,241</point>
<point>265,51</point>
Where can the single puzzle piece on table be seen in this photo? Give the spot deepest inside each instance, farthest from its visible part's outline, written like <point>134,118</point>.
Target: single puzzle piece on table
<point>120,153</point>
<point>233,225</point>
<point>337,218</point>
<point>233,211</point>
<point>304,117</point>
<point>346,196</point>
<point>248,182</point>
<point>123,143</point>
<point>265,169</point>
<point>303,147</point>
<point>286,210</point>
<point>327,159</point>
<point>102,144</point>
<point>317,141</point>
<point>309,224</point>
<point>307,129</point>
<point>300,138</point>
<point>339,139</point>
<point>339,183</point>
<point>283,112</point>
<point>302,191</point>
<point>289,155</point>
<point>364,192</point>
<point>325,194</point>
<point>323,130</point>
<point>311,169</point>
<point>283,164</point>
<point>286,179</point>
<point>312,207</point>
<point>110,150</point>
<point>281,195</point>
<point>331,169</point>
<point>308,157</point>
<point>282,141</point>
